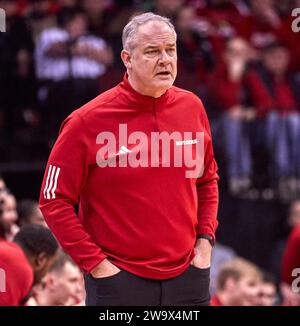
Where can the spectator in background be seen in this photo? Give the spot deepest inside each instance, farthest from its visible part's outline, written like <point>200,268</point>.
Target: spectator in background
<point>62,286</point>
<point>2,185</point>
<point>26,262</point>
<point>276,255</point>
<point>2,192</point>
<point>291,256</point>
<point>8,216</point>
<point>221,20</point>
<point>286,34</point>
<point>294,216</point>
<point>166,8</point>
<point>29,213</point>
<point>40,15</point>
<point>99,16</point>
<point>194,49</point>
<point>267,291</point>
<point>69,63</point>
<point>261,27</point>
<point>68,3</point>
<point>122,11</point>
<point>228,92</point>
<point>238,284</point>
<point>16,75</point>
<point>276,96</point>
<point>220,255</point>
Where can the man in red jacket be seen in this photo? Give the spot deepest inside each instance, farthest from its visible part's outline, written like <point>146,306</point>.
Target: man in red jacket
<point>146,220</point>
<point>25,262</point>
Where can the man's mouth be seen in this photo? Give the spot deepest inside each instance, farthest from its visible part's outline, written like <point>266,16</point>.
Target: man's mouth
<point>164,73</point>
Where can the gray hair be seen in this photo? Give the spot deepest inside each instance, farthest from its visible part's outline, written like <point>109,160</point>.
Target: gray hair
<point>130,30</point>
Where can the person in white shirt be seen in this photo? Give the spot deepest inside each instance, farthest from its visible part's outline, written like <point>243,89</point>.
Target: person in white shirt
<point>69,63</point>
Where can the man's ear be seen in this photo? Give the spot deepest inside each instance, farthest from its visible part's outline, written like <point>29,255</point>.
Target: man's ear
<point>49,281</point>
<point>41,260</point>
<point>126,58</point>
<point>230,284</point>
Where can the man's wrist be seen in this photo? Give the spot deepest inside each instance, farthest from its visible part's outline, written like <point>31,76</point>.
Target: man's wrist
<point>207,237</point>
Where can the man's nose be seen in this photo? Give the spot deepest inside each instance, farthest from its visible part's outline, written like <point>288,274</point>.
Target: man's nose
<point>164,58</point>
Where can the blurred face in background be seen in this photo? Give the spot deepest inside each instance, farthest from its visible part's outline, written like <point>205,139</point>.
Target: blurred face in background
<point>2,186</point>
<point>65,286</point>
<point>244,291</point>
<point>94,7</point>
<point>277,61</point>
<point>67,3</point>
<point>294,217</point>
<point>267,294</point>
<point>151,60</point>
<point>237,49</point>
<point>186,19</point>
<point>168,6</point>
<point>9,212</point>
<point>77,26</point>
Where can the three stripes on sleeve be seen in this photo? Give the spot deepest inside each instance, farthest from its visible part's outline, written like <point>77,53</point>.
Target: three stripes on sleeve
<point>51,182</point>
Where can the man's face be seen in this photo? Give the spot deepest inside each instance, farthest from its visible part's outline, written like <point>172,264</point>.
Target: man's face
<point>67,285</point>
<point>267,294</point>
<point>246,291</point>
<point>277,61</point>
<point>186,19</point>
<point>2,185</point>
<point>237,49</point>
<point>152,60</point>
<point>77,26</point>
<point>294,218</point>
<point>9,212</point>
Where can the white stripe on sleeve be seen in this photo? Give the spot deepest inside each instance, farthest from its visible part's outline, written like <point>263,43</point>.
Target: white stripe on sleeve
<point>50,183</point>
<point>55,183</point>
<point>47,180</point>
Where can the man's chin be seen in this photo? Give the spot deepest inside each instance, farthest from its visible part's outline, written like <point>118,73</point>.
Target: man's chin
<point>165,83</point>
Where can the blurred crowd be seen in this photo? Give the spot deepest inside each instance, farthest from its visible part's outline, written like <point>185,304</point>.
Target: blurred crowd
<point>241,57</point>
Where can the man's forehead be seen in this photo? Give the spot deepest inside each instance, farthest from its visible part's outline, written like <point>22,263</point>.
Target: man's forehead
<point>155,33</point>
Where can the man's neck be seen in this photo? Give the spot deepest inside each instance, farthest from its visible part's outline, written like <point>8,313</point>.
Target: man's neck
<point>134,85</point>
<point>45,299</point>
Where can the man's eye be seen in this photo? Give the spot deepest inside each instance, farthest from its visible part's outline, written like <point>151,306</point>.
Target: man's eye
<point>171,51</point>
<point>151,52</point>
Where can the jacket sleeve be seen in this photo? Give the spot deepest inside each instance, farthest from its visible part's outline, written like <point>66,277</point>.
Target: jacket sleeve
<point>65,176</point>
<point>207,186</point>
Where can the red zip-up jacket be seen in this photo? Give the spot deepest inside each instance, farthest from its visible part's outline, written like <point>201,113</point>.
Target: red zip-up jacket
<point>16,274</point>
<point>143,219</point>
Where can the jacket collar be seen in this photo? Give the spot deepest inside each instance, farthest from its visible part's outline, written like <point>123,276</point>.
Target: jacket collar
<point>143,101</point>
